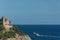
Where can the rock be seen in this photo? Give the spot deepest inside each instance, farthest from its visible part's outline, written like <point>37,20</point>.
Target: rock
<point>10,32</point>
<point>24,37</point>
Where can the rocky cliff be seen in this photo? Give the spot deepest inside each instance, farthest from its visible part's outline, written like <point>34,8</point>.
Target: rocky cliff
<point>23,37</point>
<point>12,33</point>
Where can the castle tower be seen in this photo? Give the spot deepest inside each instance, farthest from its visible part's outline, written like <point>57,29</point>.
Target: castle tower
<point>4,21</point>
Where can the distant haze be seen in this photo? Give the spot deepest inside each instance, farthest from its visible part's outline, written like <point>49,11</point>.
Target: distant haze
<point>31,11</point>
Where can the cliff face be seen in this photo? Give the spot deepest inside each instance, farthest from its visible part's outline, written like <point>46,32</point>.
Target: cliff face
<point>12,33</point>
<point>24,37</point>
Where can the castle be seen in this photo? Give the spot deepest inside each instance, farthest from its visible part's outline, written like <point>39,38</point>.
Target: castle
<point>6,23</point>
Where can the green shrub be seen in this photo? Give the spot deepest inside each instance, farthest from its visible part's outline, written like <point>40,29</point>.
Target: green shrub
<point>1,34</point>
<point>18,31</point>
<point>2,28</point>
<point>9,34</point>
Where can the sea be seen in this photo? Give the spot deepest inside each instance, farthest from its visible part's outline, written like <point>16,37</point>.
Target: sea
<point>46,32</point>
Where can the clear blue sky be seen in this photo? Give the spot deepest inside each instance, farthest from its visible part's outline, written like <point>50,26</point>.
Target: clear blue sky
<point>31,11</point>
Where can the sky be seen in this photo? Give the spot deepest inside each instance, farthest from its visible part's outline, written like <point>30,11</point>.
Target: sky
<point>31,11</point>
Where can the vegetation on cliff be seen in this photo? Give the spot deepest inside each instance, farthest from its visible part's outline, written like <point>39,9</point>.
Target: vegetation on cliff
<point>11,33</point>
<point>2,28</point>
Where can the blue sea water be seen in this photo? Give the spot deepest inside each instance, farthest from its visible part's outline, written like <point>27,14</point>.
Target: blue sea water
<point>49,32</point>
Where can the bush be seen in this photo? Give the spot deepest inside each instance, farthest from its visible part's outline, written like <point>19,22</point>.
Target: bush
<point>2,28</point>
<point>9,34</point>
<point>1,34</point>
<point>18,31</point>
